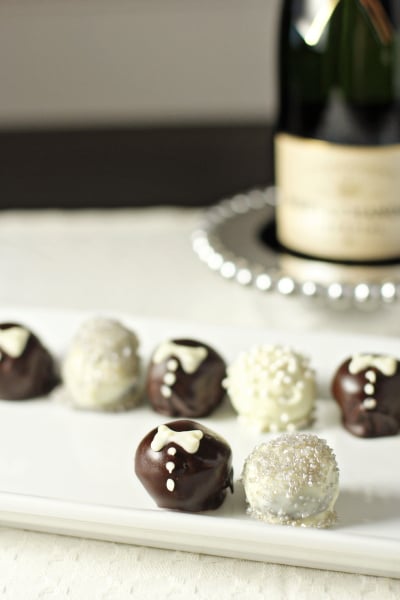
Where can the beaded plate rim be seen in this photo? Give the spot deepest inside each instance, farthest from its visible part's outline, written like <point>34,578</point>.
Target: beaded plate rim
<point>233,261</point>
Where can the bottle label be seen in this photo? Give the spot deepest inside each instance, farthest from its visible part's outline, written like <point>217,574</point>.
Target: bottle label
<point>338,202</point>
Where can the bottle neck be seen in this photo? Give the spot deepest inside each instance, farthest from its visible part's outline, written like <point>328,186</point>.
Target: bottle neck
<point>340,70</point>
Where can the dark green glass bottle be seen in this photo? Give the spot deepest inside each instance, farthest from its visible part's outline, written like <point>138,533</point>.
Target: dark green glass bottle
<point>338,140</point>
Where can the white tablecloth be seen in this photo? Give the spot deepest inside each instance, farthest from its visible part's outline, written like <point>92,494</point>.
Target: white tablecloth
<point>140,262</point>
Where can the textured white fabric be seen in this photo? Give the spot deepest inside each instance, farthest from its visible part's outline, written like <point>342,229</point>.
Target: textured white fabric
<point>140,262</point>
<point>42,566</point>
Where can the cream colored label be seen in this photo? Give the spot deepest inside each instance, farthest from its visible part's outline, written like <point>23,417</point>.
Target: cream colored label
<point>338,202</point>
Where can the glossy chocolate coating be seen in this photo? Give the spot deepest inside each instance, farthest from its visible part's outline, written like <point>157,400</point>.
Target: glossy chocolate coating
<point>193,394</point>
<point>200,479</point>
<point>348,390</point>
<point>30,375</point>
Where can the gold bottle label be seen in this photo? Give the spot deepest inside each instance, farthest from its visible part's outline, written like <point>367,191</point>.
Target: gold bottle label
<point>338,202</point>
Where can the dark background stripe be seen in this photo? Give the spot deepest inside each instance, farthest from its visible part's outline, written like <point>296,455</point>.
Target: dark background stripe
<point>185,165</point>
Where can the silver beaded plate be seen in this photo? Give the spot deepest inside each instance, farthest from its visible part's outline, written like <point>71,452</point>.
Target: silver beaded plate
<point>229,242</point>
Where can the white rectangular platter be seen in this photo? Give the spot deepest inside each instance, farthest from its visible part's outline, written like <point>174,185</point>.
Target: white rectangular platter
<point>71,472</point>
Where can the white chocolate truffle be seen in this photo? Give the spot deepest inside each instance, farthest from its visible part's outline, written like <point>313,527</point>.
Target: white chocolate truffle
<point>101,369</point>
<point>272,388</point>
<point>292,480</point>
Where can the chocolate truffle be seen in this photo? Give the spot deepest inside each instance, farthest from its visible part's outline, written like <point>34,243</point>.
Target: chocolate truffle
<point>185,466</point>
<point>185,379</point>
<point>292,480</point>
<point>27,369</point>
<point>367,389</point>
<point>272,388</point>
<point>101,369</point>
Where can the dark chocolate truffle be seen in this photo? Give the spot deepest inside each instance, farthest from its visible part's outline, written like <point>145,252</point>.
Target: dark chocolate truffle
<point>27,369</point>
<point>367,389</point>
<point>185,466</point>
<point>185,379</point>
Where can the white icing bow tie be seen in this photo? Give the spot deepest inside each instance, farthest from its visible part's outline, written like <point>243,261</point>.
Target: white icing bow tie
<point>13,341</point>
<point>188,440</point>
<point>190,357</point>
<point>385,364</point>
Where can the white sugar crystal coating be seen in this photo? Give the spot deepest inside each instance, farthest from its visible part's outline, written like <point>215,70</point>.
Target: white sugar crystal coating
<point>292,480</point>
<point>101,369</point>
<point>272,388</point>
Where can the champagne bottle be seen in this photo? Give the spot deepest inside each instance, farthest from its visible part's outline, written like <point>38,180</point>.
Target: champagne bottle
<point>337,148</point>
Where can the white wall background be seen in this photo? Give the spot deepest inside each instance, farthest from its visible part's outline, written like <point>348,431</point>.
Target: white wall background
<point>91,61</point>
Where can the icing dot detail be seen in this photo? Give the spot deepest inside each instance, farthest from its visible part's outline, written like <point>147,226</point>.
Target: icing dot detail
<point>172,364</point>
<point>371,376</point>
<point>166,391</point>
<point>369,403</point>
<point>170,485</point>
<point>169,378</point>
<point>369,389</point>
